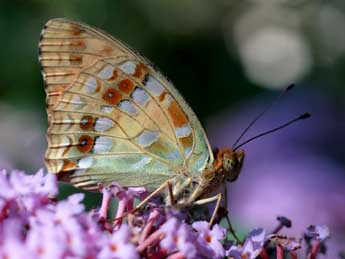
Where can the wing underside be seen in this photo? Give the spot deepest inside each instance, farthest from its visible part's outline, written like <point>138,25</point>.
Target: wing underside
<point>111,116</point>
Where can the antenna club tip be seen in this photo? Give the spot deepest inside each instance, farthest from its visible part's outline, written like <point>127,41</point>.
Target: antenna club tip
<point>290,87</point>
<point>305,116</point>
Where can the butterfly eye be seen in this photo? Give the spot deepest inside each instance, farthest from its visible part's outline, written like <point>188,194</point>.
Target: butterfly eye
<point>233,163</point>
<point>230,164</point>
<point>227,164</point>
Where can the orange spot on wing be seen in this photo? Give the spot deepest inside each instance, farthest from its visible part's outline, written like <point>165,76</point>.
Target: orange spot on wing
<point>114,76</point>
<point>68,165</point>
<point>87,122</point>
<point>80,44</point>
<point>85,144</point>
<point>76,30</point>
<point>178,117</point>
<point>107,51</point>
<point>99,85</point>
<point>140,70</point>
<point>56,88</point>
<point>126,86</point>
<point>186,141</point>
<point>162,96</point>
<point>75,59</point>
<point>112,96</point>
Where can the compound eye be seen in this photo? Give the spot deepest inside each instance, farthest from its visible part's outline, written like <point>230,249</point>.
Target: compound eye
<point>227,164</point>
<point>233,163</point>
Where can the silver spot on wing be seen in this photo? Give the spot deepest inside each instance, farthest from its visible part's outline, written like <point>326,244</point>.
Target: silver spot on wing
<point>106,72</point>
<point>147,138</point>
<point>102,145</point>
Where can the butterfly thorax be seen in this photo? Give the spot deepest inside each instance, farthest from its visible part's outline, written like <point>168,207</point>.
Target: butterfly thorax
<point>225,168</point>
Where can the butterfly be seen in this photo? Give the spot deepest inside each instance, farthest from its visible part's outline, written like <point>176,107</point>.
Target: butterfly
<point>113,117</point>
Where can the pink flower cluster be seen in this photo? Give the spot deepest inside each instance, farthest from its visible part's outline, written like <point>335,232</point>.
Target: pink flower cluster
<point>33,225</point>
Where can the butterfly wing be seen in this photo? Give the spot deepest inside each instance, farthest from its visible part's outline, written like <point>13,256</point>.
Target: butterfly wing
<point>111,116</point>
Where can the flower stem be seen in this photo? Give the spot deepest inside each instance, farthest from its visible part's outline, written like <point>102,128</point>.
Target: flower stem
<point>106,197</point>
<point>314,249</point>
<point>280,252</point>
<point>293,255</point>
<point>153,239</point>
<point>120,212</point>
<point>263,254</point>
<point>148,227</point>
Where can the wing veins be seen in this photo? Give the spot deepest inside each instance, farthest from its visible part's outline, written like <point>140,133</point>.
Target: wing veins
<point>69,38</point>
<point>101,103</point>
<point>165,114</point>
<point>71,66</point>
<point>73,52</point>
<point>119,154</point>
<point>115,107</point>
<point>117,45</point>
<point>89,133</point>
<point>136,105</point>
<point>140,148</point>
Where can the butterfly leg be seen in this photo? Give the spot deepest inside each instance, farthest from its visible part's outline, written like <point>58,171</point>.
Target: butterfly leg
<point>155,192</point>
<point>171,194</point>
<point>218,198</point>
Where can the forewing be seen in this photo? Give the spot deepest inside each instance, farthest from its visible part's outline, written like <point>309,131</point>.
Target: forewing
<point>111,116</point>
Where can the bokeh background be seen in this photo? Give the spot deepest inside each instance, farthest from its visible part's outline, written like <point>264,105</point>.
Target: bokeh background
<point>229,59</point>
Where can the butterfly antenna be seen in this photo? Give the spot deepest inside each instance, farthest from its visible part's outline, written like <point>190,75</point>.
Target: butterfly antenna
<point>301,117</point>
<point>287,89</point>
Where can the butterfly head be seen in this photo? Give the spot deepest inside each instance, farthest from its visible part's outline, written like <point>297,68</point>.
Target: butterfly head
<point>229,163</point>
<point>226,167</point>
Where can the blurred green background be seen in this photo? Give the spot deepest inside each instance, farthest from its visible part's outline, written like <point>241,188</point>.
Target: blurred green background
<point>228,59</point>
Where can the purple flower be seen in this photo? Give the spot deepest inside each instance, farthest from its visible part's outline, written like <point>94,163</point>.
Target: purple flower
<point>315,237</point>
<point>179,237</point>
<point>23,184</point>
<point>209,244</point>
<point>70,207</point>
<point>319,232</point>
<point>61,212</point>
<point>118,245</point>
<point>47,240</point>
<point>289,243</point>
<point>33,226</point>
<point>12,245</point>
<point>126,199</point>
<point>27,191</point>
<point>6,190</point>
<point>126,193</point>
<point>251,247</point>
<point>15,249</point>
